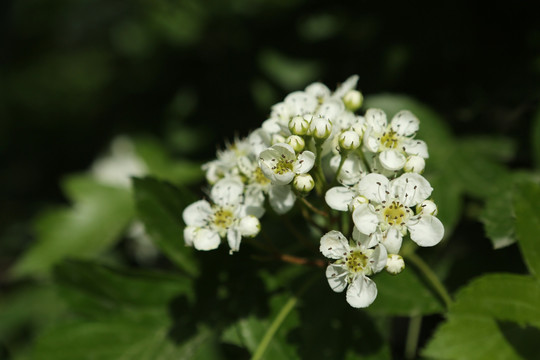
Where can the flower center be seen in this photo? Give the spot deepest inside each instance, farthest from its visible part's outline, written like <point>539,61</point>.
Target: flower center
<point>395,214</point>
<point>390,139</point>
<point>260,178</point>
<point>283,165</point>
<point>223,218</point>
<point>356,261</point>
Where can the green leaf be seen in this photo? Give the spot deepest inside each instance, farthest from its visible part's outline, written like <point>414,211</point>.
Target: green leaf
<point>527,211</point>
<point>159,206</point>
<point>93,223</point>
<point>403,295</point>
<point>447,194</point>
<point>480,324</point>
<point>161,165</point>
<point>99,291</point>
<point>287,72</point>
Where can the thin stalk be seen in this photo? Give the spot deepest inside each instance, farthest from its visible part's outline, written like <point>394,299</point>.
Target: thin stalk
<point>413,334</point>
<point>430,276</point>
<point>341,162</point>
<point>278,321</point>
<point>313,208</point>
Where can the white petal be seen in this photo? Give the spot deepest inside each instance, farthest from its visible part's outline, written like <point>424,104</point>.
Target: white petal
<point>233,238</point>
<point>339,197</point>
<point>367,241</point>
<point>206,240</point>
<point>304,163</point>
<point>334,245</point>
<point>378,259</point>
<point>416,147</point>
<point>330,109</point>
<point>337,277</point>
<point>351,171</point>
<point>392,240</point>
<point>428,231</point>
<point>370,141</point>
<point>318,90</point>
<point>249,226</point>
<point>373,187</point>
<point>227,192</point>
<point>271,126</point>
<point>281,198</point>
<point>259,141</point>
<point>411,189</point>
<point>376,119</point>
<point>404,123</point>
<point>392,159</point>
<point>365,219</point>
<point>347,85</point>
<point>362,292</point>
<point>300,102</point>
<point>284,178</point>
<point>285,149</point>
<point>189,234</point>
<point>246,166</point>
<point>197,213</point>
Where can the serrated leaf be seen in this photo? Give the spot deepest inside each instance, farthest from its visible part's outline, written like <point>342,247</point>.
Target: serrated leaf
<point>163,166</point>
<point>527,211</point>
<point>99,291</point>
<point>481,322</point>
<point>93,223</point>
<point>403,295</point>
<point>159,206</point>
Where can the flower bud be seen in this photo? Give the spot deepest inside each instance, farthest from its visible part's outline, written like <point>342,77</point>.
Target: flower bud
<point>296,142</point>
<point>299,125</point>
<point>303,183</point>
<point>249,226</point>
<point>395,264</point>
<point>276,138</point>
<point>353,100</point>
<point>320,128</point>
<point>359,200</point>
<point>415,164</point>
<point>427,207</point>
<point>349,140</point>
<point>359,126</point>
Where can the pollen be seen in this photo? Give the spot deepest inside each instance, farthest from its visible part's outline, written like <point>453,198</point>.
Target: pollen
<point>390,140</point>
<point>394,214</point>
<point>283,166</point>
<point>356,261</point>
<point>223,218</point>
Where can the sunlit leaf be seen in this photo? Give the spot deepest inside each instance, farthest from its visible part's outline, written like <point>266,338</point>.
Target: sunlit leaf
<point>93,223</point>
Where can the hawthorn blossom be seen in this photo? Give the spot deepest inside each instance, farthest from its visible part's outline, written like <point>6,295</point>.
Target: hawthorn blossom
<point>355,261</point>
<point>280,163</point>
<point>388,215</point>
<point>228,216</point>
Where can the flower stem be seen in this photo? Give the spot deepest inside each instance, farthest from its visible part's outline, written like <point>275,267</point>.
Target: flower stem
<point>341,162</point>
<point>413,333</point>
<point>313,208</point>
<point>280,318</point>
<point>430,276</point>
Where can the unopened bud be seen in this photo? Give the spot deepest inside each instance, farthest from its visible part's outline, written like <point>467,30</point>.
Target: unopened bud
<point>303,183</point>
<point>349,140</point>
<point>395,264</point>
<point>320,128</point>
<point>427,207</point>
<point>249,226</point>
<point>296,142</point>
<point>415,164</point>
<point>353,100</point>
<point>299,125</point>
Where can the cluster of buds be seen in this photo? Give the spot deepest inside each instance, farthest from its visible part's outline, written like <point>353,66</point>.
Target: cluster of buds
<point>314,143</point>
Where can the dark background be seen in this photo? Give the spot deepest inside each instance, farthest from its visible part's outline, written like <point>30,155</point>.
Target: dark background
<point>74,73</point>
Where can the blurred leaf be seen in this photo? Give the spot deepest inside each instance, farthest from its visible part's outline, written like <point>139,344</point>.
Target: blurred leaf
<point>160,206</point>
<point>125,314</point>
<point>404,295</point>
<point>98,291</point>
<point>290,73</point>
<point>447,194</point>
<point>92,224</point>
<point>477,325</point>
<point>498,218</point>
<point>161,165</point>
<point>536,138</point>
<point>248,332</point>
<point>527,210</point>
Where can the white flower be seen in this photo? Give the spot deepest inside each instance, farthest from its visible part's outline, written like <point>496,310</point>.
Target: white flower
<point>349,140</point>
<point>394,141</point>
<point>395,264</point>
<point>227,217</point>
<point>320,128</point>
<point>226,162</point>
<point>303,183</point>
<point>353,100</point>
<point>388,215</point>
<point>415,164</point>
<point>117,168</point>
<point>280,163</point>
<point>352,170</point>
<point>354,263</point>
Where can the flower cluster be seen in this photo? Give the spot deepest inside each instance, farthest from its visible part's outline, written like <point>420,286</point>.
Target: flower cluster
<point>314,142</point>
